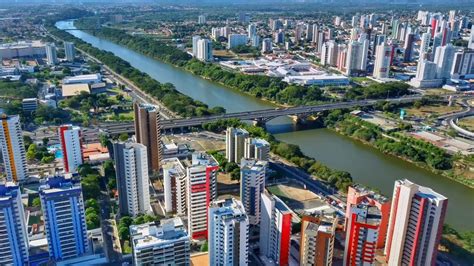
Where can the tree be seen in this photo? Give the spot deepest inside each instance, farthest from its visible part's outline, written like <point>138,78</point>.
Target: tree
<point>36,202</point>
<point>123,137</point>
<point>31,153</point>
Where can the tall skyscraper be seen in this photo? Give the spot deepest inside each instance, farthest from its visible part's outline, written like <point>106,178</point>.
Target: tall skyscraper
<point>174,186</point>
<point>195,45</point>
<point>425,43</point>
<point>416,223</point>
<point>443,59</point>
<point>166,243</point>
<point>69,51</point>
<point>356,57</point>
<point>252,31</point>
<point>329,53</point>
<point>252,184</point>
<point>13,149</point>
<point>201,190</point>
<point>275,229</point>
<point>470,43</point>
<point>148,133</point>
<point>267,45</point>
<point>256,148</point>
<point>235,144</point>
<point>317,240</point>
<point>202,19</point>
<point>362,233</point>
<point>70,139</point>
<point>204,50</point>
<point>14,234</point>
<point>426,75</point>
<point>65,223</point>
<point>409,40</point>
<point>359,195</point>
<point>51,55</point>
<point>463,66</point>
<point>383,57</point>
<point>228,233</point>
<point>131,170</point>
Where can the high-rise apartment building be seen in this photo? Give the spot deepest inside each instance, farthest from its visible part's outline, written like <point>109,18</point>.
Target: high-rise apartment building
<point>228,233</point>
<point>131,170</point>
<point>329,53</point>
<point>201,19</point>
<point>443,59</point>
<point>426,75</point>
<point>235,40</point>
<point>383,57</point>
<point>65,223</point>
<point>356,60</point>
<point>359,195</point>
<point>275,229</point>
<point>463,65</point>
<point>317,240</point>
<point>256,148</point>
<point>251,31</point>
<point>362,234</point>
<point>51,55</point>
<point>174,186</point>
<point>425,43</point>
<point>235,144</point>
<point>13,148</point>
<point>409,41</point>
<point>13,231</point>
<point>70,140</point>
<point>416,224</point>
<point>470,43</point>
<point>69,51</point>
<point>148,133</point>
<point>267,45</point>
<point>204,50</point>
<point>201,190</point>
<point>252,184</point>
<point>166,243</point>
<point>195,45</point>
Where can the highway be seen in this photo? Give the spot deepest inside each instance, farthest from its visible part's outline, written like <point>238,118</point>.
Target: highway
<point>258,115</point>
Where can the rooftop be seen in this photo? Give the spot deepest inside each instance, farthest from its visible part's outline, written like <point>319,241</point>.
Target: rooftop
<point>152,234</point>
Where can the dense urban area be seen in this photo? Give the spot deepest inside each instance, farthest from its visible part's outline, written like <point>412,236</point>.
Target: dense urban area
<point>232,133</point>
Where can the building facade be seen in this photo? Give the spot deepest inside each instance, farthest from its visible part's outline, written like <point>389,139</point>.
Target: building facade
<point>383,58</point>
<point>252,184</point>
<point>148,133</point>
<point>275,229</point>
<point>51,55</point>
<point>69,51</point>
<point>70,140</point>
<point>235,144</point>
<point>13,230</point>
<point>362,234</point>
<point>13,148</point>
<point>204,50</point>
<point>201,190</point>
<point>131,170</point>
<point>228,233</point>
<point>416,224</point>
<point>256,148</point>
<point>174,186</point>
<point>317,240</point>
<point>166,243</point>
<point>64,217</point>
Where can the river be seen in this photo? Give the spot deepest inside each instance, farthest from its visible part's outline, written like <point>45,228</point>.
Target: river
<point>367,165</point>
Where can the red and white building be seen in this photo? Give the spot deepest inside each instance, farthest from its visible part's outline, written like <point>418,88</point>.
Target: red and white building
<point>275,229</point>
<point>360,195</point>
<point>71,146</point>
<point>362,233</point>
<point>201,190</point>
<point>415,226</point>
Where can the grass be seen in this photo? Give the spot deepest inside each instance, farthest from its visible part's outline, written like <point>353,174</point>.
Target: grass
<point>34,220</point>
<point>275,190</point>
<point>467,123</point>
<point>362,80</point>
<point>432,110</point>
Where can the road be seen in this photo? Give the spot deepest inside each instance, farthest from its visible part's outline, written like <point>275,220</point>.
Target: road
<point>109,233</point>
<point>257,115</point>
